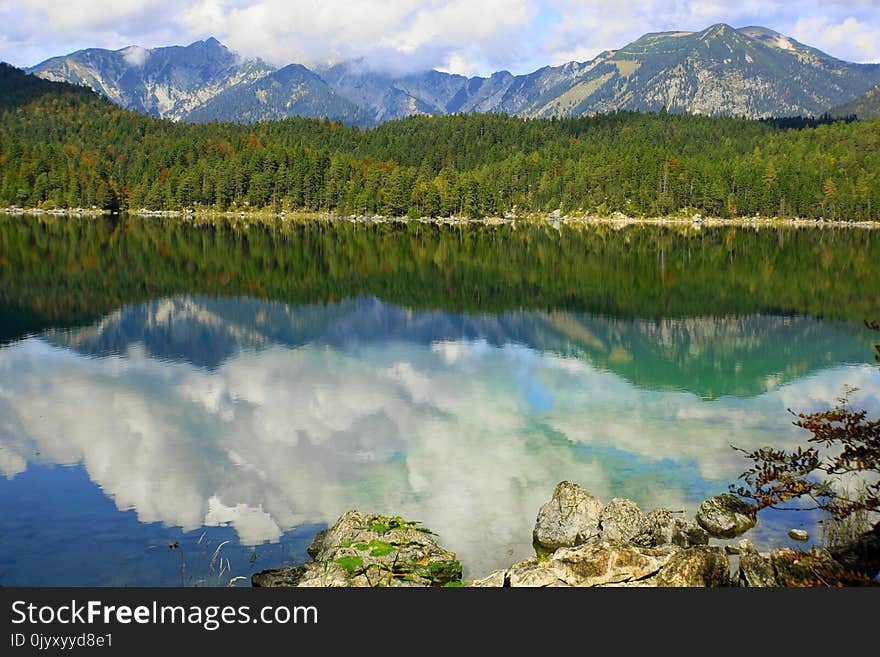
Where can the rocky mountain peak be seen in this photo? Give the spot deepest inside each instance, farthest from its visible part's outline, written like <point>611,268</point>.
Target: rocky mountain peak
<point>719,29</point>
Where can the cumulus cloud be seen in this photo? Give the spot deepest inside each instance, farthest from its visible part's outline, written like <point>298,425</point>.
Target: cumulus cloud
<point>849,38</point>
<point>398,35</point>
<point>135,55</point>
<point>458,434</point>
<point>453,35</point>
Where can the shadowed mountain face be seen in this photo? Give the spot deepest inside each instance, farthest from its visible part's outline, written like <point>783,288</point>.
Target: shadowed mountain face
<point>866,106</point>
<point>707,356</point>
<point>751,72</point>
<point>291,91</point>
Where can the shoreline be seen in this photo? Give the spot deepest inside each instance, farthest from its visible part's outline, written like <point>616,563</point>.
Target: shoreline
<point>580,541</point>
<point>554,219</point>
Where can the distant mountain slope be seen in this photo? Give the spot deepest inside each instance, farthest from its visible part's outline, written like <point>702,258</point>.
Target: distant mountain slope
<point>752,72</point>
<point>866,106</point>
<point>291,91</point>
<point>710,72</point>
<point>167,82</point>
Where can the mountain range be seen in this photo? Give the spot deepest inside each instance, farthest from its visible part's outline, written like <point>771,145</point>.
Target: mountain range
<point>752,71</point>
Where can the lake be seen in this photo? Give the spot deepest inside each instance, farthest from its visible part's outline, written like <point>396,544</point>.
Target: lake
<point>185,404</point>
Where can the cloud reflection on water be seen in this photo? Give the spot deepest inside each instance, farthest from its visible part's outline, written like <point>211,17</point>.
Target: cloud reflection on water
<point>467,436</point>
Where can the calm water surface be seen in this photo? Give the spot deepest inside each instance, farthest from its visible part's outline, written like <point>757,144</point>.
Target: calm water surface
<point>235,390</point>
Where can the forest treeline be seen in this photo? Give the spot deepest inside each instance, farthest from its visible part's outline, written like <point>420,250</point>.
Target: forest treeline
<point>62,146</point>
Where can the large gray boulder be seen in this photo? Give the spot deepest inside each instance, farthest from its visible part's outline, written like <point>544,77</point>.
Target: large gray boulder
<point>696,567</point>
<point>570,518</point>
<point>726,516</point>
<point>622,520</point>
<point>664,528</point>
<point>370,550</point>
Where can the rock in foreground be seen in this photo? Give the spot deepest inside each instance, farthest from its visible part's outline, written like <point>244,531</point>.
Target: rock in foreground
<point>696,567</point>
<point>613,545</point>
<point>787,567</point>
<point>622,520</point>
<point>570,518</point>
<point>861,555</point>
<point>370,550</point>
<point>726,516</point>
<point>597,545</point>
<point>663,528</point>
<point>573,517</point>
<point>595,564</point>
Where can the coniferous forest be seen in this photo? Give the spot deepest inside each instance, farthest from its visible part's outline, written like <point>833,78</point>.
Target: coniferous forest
<point>63,146</point>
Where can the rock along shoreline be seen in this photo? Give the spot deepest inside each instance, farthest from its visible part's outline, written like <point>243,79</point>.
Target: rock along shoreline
<point>555,219</point>
<point>581,542</point>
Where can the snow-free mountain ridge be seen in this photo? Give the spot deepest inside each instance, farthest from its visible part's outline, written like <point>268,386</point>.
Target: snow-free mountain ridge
<point>751,71</point>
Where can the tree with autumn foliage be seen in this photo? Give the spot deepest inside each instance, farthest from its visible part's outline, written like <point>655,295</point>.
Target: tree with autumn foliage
<point>844,442</point>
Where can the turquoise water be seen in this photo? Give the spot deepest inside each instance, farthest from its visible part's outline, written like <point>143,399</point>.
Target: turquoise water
<point>237,427</point>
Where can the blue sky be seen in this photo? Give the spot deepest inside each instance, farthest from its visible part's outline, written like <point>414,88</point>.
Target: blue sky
<point>461,36</point>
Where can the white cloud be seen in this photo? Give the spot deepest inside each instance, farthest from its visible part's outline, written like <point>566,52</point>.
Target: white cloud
<point>90,15</point>
<point>400,34</point>
<point>850,39</point>
<point>470,20</point>
<point>135,55</point>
